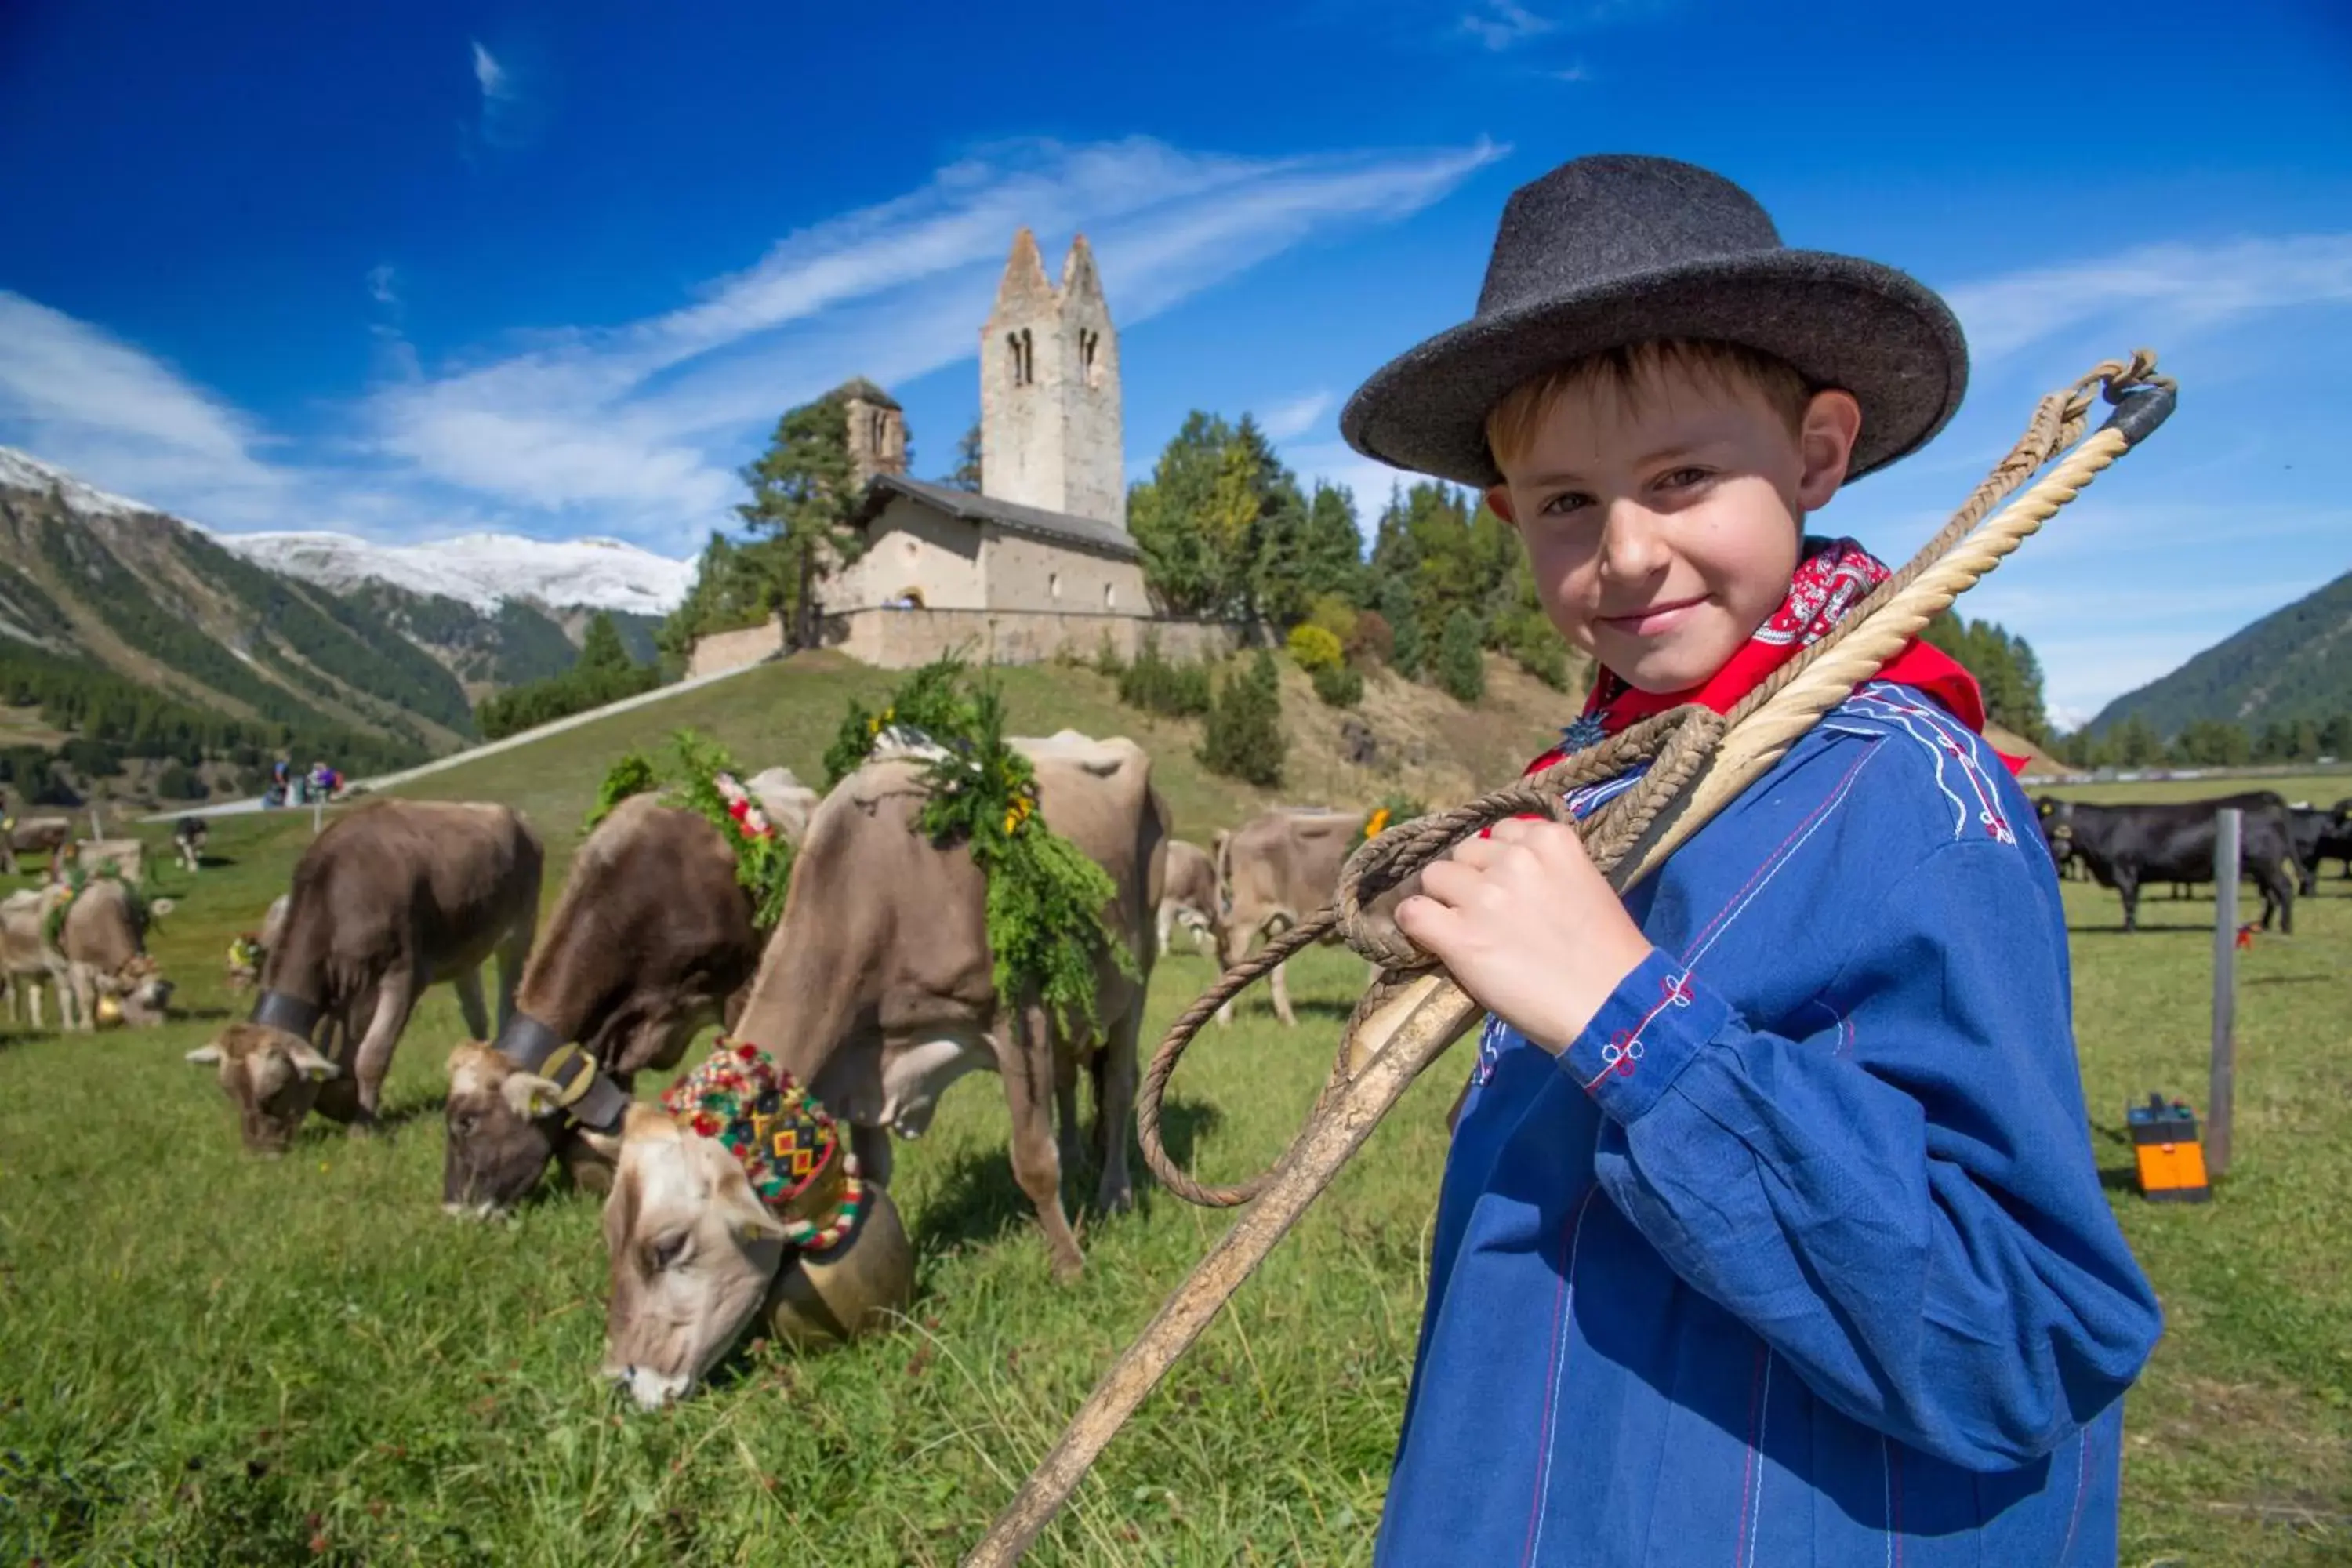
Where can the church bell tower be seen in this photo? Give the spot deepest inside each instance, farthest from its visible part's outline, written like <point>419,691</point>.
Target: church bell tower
<point>1051,436</point>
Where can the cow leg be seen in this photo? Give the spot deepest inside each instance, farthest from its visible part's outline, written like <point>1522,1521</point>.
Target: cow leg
<point>1114,1075</point>
<point>1167,922</point>
<point>1036,1165</point>
<point>394,1002</point>
<point>1068,1141</point>
<point>83,1017</point>
<point>469,984</point>
<point>2127,884</point>
<point>513,953</point>
<point>1281,985</point>
<point>874,1151</point>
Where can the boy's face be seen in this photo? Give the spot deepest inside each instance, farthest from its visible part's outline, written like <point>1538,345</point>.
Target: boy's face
<point>1662,528</point>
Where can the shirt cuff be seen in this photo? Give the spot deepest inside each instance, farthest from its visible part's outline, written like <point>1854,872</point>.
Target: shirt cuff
<point>1644,1034</point>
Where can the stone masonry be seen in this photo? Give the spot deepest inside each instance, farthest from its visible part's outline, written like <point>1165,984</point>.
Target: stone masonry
<point>1049,396</point>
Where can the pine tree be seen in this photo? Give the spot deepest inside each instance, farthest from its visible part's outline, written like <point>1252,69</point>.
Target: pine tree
<point>1332,547</point>
<point>1460,672</point>
<point>601,650</point>
<point>966,475</point>
<point>804,492</point>
<point>1244,736</point>
<point>1167,514</point>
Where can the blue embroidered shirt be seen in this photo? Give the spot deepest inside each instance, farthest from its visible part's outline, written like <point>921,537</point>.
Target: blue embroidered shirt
<point>1799,1253</point>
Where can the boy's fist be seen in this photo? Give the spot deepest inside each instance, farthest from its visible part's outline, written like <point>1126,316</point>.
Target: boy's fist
<point>1528,927</point>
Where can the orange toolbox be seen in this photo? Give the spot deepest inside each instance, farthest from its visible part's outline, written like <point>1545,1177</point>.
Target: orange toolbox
<point>2171,1160</point>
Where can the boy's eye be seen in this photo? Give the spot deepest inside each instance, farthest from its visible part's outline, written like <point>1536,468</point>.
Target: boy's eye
<point>1565,502</point>
<point>1680,479</point>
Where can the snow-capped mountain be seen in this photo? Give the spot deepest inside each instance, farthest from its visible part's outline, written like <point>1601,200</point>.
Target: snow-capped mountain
<point>482,569</point>
<point>22,470</point>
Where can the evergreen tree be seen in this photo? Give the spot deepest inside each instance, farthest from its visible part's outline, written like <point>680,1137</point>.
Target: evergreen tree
<point>601,651</point>
<point>804,492</point>
<point>2335,737</point>
<point>1460,672</point>
<point>1244,736</point>
<point>1332,547</point>
<point>1168,514</point>
<point>966,475</point>
<point>2136,743</point>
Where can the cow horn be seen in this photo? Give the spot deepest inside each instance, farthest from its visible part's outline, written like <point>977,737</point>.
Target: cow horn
<point>204,1056</point>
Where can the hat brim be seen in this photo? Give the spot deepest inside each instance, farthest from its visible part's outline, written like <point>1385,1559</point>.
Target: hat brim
<point>1840,321</point>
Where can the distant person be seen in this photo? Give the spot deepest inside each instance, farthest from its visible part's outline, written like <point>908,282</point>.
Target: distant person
<point>1771,1231</point>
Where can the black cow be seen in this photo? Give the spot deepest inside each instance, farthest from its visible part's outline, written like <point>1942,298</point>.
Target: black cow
<point>2128,845</point>
<point>2320,836</point>
<point>188,836</point>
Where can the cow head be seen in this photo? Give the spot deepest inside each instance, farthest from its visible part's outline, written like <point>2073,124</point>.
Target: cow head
<point>502,1130</point>
<point>141,990</point>
<point>692,1253</point>
<point>270,1076</point>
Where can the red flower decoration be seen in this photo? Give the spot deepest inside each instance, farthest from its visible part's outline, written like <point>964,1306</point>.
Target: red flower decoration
<point>747,1052</point>
<point>706,1124</point>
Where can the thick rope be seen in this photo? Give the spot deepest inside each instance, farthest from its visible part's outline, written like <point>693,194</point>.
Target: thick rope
<point>1675,745</point>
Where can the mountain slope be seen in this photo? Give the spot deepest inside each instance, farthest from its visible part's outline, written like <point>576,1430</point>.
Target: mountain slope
<point>482,570</point>
<point>102,594</point>
<point>2294,664</point>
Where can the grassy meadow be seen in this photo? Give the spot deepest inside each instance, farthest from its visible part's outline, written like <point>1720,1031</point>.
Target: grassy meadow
<point>208,1359</point>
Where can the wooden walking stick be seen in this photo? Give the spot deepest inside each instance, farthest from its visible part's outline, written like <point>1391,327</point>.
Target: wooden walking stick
<point>1698,763</point>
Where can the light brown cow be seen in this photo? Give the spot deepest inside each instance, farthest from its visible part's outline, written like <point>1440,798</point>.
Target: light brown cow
<point>784,801</point>
<point>1275,869</point>
<point>125,857</point>
<point>652,937</point>
<point>26,958</point>
<point>104,940</point>
<point>397,896</point>
<point>1189,896</point>
<point>877,992</point>
<point>33,836</point>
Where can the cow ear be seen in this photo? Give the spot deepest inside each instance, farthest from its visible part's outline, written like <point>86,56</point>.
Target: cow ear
<point>607,1145</point>
<point>204,1056</point>
<point>314,1066</point>
<point>529,1096</point>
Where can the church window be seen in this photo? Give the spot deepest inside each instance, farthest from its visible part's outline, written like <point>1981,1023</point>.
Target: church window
<point>876,423</point>
<point>1110,595</point>
<point>1020,347</point>
<point>1053,584</point>
<point>1089,361</point>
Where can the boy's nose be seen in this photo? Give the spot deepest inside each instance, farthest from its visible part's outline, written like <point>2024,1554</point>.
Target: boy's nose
<point>1630,542</point>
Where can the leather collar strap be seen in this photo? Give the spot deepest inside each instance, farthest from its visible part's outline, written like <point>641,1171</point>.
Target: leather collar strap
<point>277,1010</point>
<point>585,1094</point>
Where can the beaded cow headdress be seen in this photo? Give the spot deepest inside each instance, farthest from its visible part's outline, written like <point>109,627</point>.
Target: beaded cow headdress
<point>790,1148</point>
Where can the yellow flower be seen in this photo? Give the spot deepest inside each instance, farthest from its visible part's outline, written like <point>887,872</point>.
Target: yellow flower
<point>1377,823</point>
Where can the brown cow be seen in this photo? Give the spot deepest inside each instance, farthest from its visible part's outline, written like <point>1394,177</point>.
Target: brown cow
<point>26,957</point>
<point>877,992</point>
<point>1279,867</point>
<point>650,939</point>
<point>397,896</point>
<point>33,836</point>
<point>124,856</point>
<point>1189,896</point>
<point>104,940</point>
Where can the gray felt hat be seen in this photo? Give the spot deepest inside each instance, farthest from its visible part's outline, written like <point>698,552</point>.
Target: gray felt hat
<point>1616,249</point>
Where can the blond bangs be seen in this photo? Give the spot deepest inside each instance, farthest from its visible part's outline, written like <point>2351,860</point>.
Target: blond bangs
<point>1635,373</point>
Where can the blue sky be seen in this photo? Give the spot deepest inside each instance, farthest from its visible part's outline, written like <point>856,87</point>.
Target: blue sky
<point>554,269</point>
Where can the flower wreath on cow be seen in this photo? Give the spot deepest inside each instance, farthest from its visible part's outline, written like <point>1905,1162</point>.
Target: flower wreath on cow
<point>705,783</point>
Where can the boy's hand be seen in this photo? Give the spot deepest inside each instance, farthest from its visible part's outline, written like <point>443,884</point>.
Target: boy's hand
<point>1528,927</point>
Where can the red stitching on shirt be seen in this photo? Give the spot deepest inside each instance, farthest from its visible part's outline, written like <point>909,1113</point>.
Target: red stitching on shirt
<point>1625,1047</point>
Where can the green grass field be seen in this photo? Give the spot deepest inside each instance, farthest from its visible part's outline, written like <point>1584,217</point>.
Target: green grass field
<point>206,1359</point>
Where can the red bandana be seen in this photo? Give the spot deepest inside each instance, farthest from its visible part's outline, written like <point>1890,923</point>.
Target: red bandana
<point>1834,575</point>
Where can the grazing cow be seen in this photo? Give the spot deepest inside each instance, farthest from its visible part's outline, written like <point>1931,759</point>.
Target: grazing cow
<point>397,896</point>
<point>651,938</point>
<point>2320,836</point>
<point>33,836</point>
<point>1275,869</point>
<point>876,993</point>
<point>2128,845</point>
<point>1190,895</point>
<point>188,835</point>
<point>784,801</point>
<point>26,957</point>
<point>104,940</point>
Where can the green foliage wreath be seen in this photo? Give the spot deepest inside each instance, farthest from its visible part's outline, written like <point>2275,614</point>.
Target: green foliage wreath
<point>704,781</point>
<point>1045,897</point>
<point>53,929</point>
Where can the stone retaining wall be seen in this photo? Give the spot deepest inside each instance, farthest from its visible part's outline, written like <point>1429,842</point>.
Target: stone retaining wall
<point>902,639</point>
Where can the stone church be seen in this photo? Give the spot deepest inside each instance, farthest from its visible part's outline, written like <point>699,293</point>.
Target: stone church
<point>1039,559</point>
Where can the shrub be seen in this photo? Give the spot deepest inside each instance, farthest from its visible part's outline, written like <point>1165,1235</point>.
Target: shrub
<point>1409,649</point>
<point>179,781</point>
<point>91,758</point>
<point>1335,616</point>
<point>1373,638</point>
<point>1156,686</point>
<point>1338,685</point>
<point>1530,642</point>
<point>1244,739</point>
<point>1461,673</point>
<point>1314,648</point>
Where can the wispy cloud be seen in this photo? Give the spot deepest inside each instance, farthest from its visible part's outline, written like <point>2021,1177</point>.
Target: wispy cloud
<point>1287,420</point>
<point>507,118</point>
<point>2155,287</point>
<point>381,279</point>
<point>1502,25</point>
<point>1577,72</point>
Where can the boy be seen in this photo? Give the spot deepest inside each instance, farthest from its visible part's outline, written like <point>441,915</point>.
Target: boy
<point>1770,1232</point>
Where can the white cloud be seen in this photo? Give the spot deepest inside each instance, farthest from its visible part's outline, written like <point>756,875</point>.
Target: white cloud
<point>490,75</point>
<point>2154,289</point>
<point>503,120</point>
<point>1504,24</point>
<point>1294,418</point>
<point>381,279</point>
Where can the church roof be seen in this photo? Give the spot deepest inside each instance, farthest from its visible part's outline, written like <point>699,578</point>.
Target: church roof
<point>1053,527</point>
<point>857,386</point>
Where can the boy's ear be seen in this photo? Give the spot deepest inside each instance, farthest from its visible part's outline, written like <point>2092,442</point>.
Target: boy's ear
<point>1498,501</point>
<point>1833,423</point>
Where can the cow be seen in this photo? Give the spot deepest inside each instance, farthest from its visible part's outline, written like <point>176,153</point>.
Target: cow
<point>104,940</point>
<point>397,896</point>
<point>1190,897</point>
<point>650,940</point>
<point>2319,836</point>
<point>2128,845</point>
<point>124,856</point>
<point>1279,867</point>
<point>28,959</point>
<point>188,835</point>
<point>784,801</point>
<point>33,836</point>
<point>876,993</point>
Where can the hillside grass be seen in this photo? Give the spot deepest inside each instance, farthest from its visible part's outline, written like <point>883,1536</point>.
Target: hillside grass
<point>209,1359</point>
